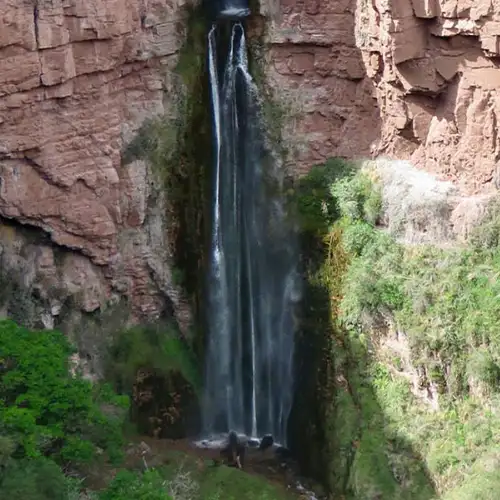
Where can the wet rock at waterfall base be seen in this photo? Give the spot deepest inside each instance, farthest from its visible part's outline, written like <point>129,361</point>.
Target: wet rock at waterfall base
<point>233,453</point>
<point>253,443</point>
<point>266,442</point>
<point>283,453</point>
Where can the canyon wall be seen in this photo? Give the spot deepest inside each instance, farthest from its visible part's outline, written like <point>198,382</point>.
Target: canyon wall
<point>77,79</point>
<point>408,79</point>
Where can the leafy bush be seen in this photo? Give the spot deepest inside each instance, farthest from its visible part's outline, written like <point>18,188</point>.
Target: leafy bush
<point>33,479</point>
<point>43,410</point>
<point>358,198</point>
<point>316,206</point>
<point>129,485</point>
<point>446,301</point>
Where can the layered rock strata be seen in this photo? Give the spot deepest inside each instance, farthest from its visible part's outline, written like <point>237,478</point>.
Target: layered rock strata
<point>77,79</point>
<point>409,79</point>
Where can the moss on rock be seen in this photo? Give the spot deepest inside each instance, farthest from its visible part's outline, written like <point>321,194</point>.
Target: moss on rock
<point>178,148</point>
<point>156,368</point>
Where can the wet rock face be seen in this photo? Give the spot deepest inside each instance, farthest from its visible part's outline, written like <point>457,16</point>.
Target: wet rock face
<point>411,79</point>
<point>77,79</point>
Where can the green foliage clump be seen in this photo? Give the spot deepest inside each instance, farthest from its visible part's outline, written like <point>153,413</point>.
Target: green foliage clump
<point>445,300</point>
<point>159,350</point>
<point>361,456</point>
<point>50,420</point>
<point>333,382</point>
<point>34,479</point>
<point>159,370</point>
<point>128,485</point>
<point>185,473</point>
<point>44,410</point>
<point>357,198</point>
<point>316,206</point>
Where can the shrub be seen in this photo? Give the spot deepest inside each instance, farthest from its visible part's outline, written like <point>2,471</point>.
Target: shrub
<point>358,198</point>
<point>33,479</point>
<point>446,302</point>
<point>45,411</point>
<point>129,485</point>
<point>158,349</point>
<point>316,206</point>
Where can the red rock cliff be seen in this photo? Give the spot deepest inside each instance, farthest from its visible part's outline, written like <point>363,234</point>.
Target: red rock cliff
<point>410,79</point>
<point>77,79</point>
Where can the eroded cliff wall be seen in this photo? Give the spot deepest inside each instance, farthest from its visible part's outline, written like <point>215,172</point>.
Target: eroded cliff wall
<point>410,79</point>
<point>77,79</point>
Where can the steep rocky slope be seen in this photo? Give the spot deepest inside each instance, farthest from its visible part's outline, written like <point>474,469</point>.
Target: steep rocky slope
<point>411,79</point>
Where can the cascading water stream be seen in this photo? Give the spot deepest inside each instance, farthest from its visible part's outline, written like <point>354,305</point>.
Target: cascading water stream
<point>253,282</point>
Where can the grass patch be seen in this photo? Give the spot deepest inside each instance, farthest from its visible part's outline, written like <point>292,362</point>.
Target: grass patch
<point>221,482</point>
<point>351,448</point>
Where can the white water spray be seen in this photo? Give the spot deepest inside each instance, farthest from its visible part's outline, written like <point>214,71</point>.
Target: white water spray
<point>253,283</point>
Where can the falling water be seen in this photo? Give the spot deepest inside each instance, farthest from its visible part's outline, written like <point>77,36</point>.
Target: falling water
<point>253,281</point>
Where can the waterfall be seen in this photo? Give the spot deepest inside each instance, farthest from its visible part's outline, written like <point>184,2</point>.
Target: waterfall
<point>253,281</point>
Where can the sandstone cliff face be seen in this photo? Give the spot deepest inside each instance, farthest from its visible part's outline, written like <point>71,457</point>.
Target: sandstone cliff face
<point>436,68</point>
<point>321,81</point>
<point>410,79</point>
<point>77,79</point>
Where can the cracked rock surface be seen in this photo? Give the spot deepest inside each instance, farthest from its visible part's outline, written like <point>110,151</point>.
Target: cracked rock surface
<point>413,80</point>
<point>77,79</point>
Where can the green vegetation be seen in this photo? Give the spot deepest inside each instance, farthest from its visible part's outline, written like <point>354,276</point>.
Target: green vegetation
<point>56,428</point>
<point>127,485</point>
<point>161,350</point>
<point>49,419</point>
<point>184,477</point>
<point>446,302</point>
<point>157,369</point>
<point>208,482</point>
<point>382,436</point>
